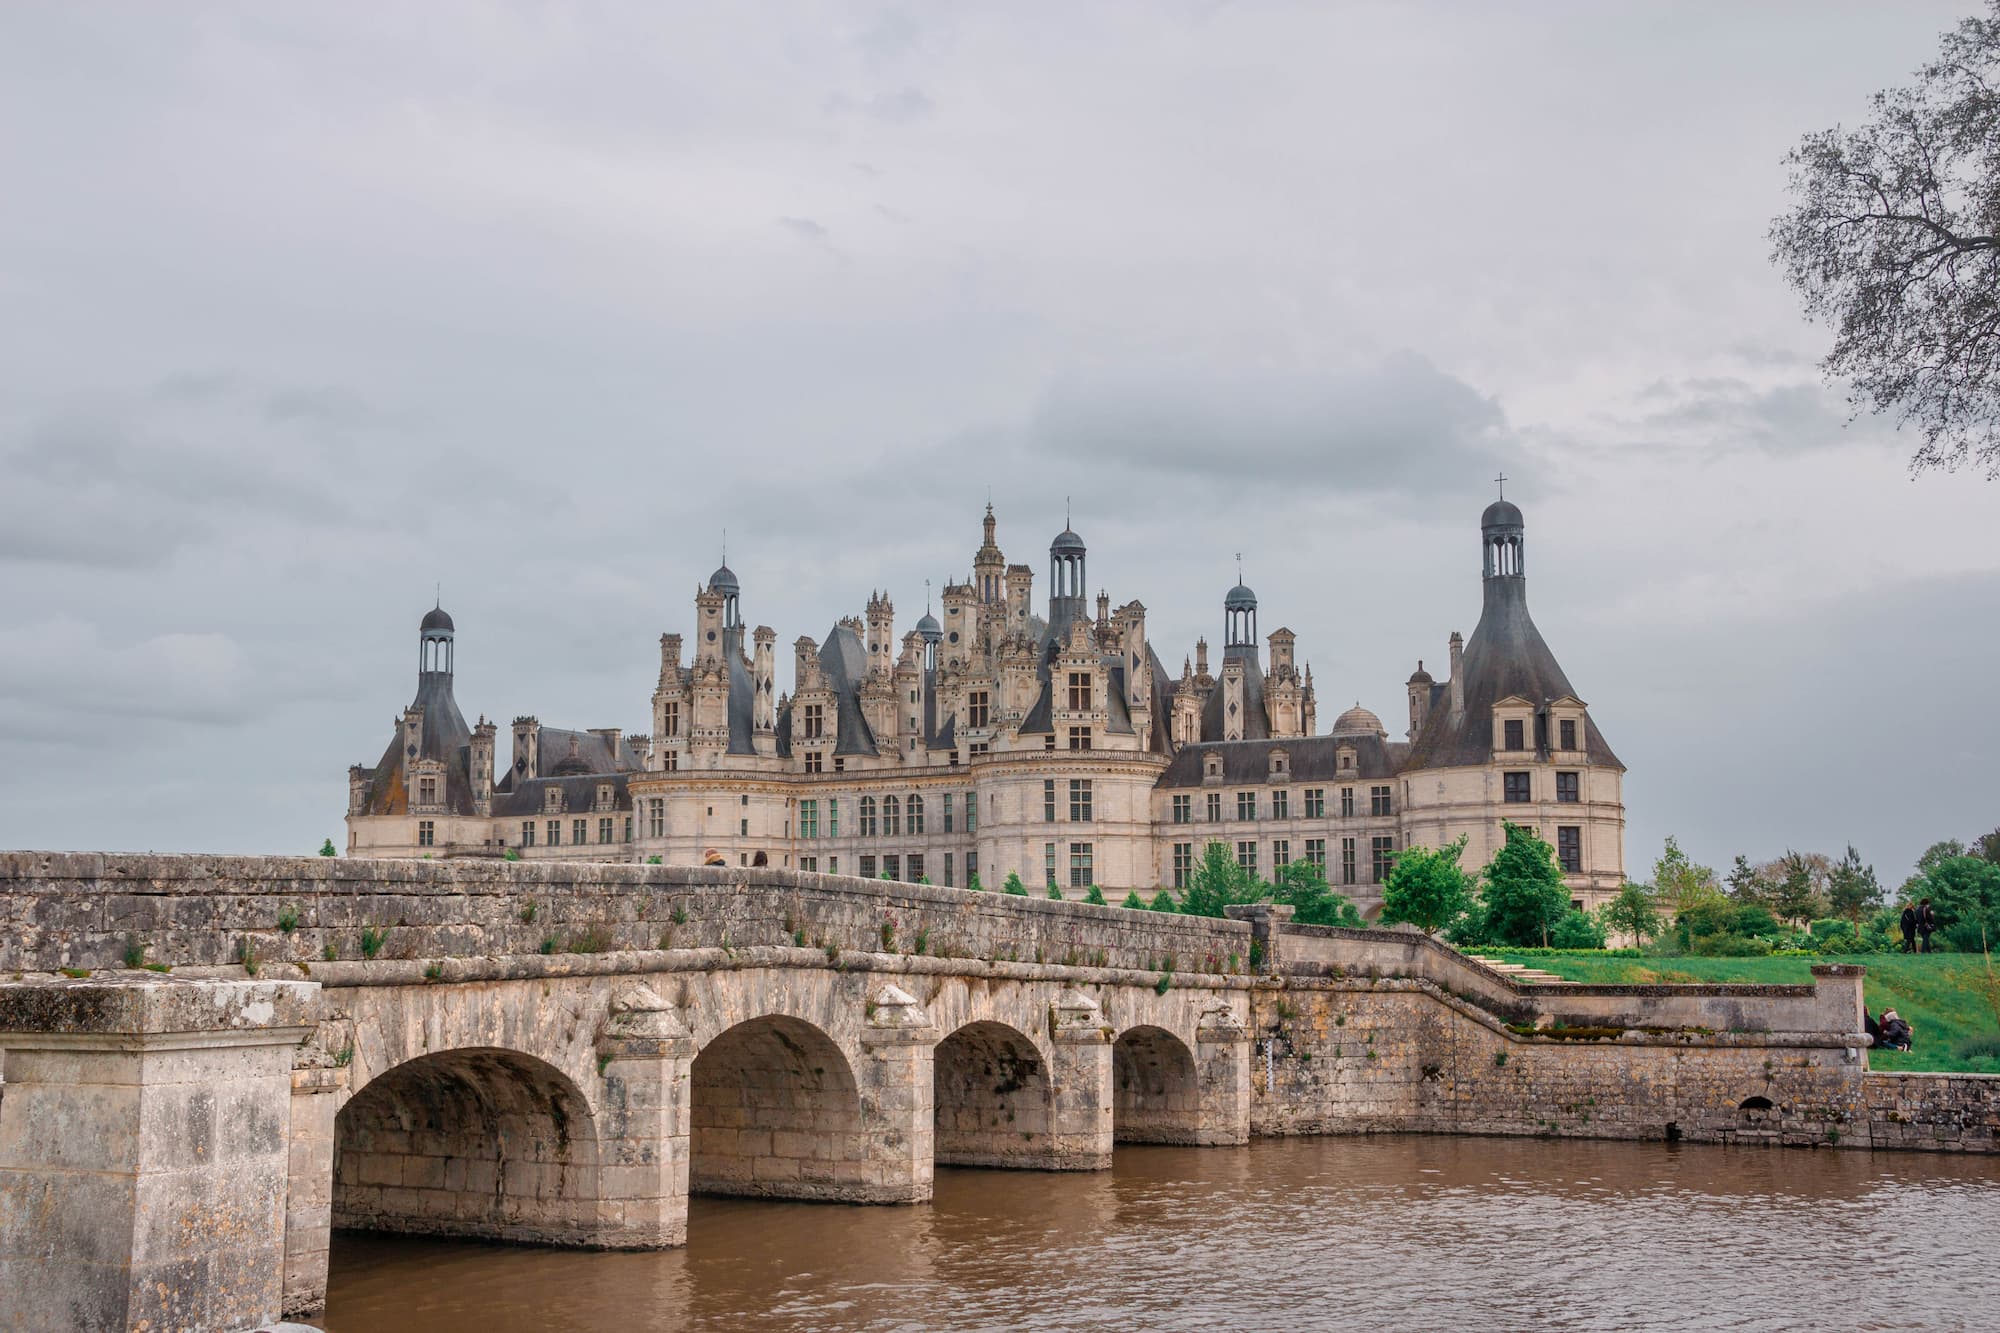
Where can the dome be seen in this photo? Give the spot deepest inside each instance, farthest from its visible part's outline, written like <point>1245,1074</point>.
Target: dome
<point>435,618</point>
<point>1421,676</point>
<point>724,580</point>
<point>1240,598</point>
<point>929,628</point>
<point>1501,514</point>
<point>571,767</point>
<point>1358,721</point>
<point>1066,543</point>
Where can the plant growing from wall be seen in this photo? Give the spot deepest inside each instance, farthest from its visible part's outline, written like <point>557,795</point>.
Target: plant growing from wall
<point>1427,888</point>
<point>654,860</point>
<point>288,918</point>
<point>510,855</point>
<point>372,938</point>
<point>135,952</point>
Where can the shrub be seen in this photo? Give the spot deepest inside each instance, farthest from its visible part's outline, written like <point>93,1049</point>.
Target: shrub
<point>972,883</point>
<point>1577,930</point>
<point>655,859</point>
<point>510,855</point>
<point>327,849</point>
<point>1014,885</point>
<point>1753,919</point>
<point>1163,902</point>
<point>1985,1047</point>
<point>1731,946</point>
<point>1134,901</point>
<point>1055,894</point>
<point>1095,896</point>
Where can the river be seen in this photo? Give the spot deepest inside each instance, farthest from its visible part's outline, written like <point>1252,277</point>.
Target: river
<point>1391,1232</point>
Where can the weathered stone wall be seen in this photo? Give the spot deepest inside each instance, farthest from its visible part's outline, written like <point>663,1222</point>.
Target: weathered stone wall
<point>1931,1112</point>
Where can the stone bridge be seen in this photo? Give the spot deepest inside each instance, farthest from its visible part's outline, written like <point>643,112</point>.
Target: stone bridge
<point>211,1062</point>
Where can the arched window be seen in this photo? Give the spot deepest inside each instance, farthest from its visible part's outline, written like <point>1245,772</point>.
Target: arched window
<point>916,815</point>
<point>868,816</point>
<point>892,819</point>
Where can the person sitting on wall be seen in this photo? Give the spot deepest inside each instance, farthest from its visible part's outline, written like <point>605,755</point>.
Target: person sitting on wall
<point>1896,1034</point>
<point>711,857</point>
<point>1909,924</point>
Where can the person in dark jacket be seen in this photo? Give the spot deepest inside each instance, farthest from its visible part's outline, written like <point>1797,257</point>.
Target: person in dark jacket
<point>1873,1028</point>
<point>760,859</point>
<point>1926,923</point>
<point>1909,923</point>
<point>1896,1034</point>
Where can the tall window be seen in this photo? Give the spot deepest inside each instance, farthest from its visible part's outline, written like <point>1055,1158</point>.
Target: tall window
<point>1246,805</point>
<point>1246,855</point>
<point>1079,738</point>
<point>892,867</point>
<point>527,833</point>
<point>670,760</point>
<point>1514,788</point>
<point>815,761</point>
<point>555,832</point>
<point>916,811</point>
<point>815,721</point>
<point>867,867</point>
<point>656,817</point>
<point>1567,727</point>
<point>1048,800</point>
<point>1316,853</point>
<point>1347,802</point>
<point>976,709</point>
<point>628,828</point>
<point>426,833</point>
<point>1569,847</point>
<point>1378,801</point>
<point>1079,800</point>
<point>1315,803</point>
<point>868,816</point>
<point>1281,804</point>
<point>892,817</point>
<point>833,817</point>
<point>1281,852</point>
<point>916,867</point>
<point>1049,864</point>
<point>1215,807</point>
<point>1347,860</point>
<point>579,831</point>
<point>949,881</point>
<point>971,820</point>
<point>1384,857</point>
<point>947,816</point>
<point>971,865</point>
<point>1183,863</point>
<point>670,719</point>
<point>809,819</point>
<point>427,790</point>
<point>1082,865</point>
<point>1516,734</point>
<point>604,828</point>
<point>1183,809</point>
<point>1079,691</point>
<point>1567,789</point>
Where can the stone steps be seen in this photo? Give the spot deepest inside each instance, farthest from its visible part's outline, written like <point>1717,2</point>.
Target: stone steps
<point>1527,976</point>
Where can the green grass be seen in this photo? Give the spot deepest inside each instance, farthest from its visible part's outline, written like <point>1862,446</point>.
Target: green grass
<point>1941,995</point>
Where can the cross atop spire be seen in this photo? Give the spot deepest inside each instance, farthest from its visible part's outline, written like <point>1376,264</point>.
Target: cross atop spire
<point>1501,482</point>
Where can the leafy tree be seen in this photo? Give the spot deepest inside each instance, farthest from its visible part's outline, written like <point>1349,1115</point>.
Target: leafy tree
<point>1014,886</point>
<point>972,883</point>
<point>1428,888</point>
<point>1747,884</point>
<point>1679,884</point>
<point>1303,885</point>
<point>1134,901</point>
<point>1163,902</point>
<point>1632,913</point>
<point>1986,845</point>
<point>1577,930</point>
<point>1852,889</point>
<point>1893,238</point>
<point>1794,896</point>
<point>327,849</point>
<point>1522,896</point>
<point>1217,882</point>
<point>1965,893</point>
<point>1096,895</point>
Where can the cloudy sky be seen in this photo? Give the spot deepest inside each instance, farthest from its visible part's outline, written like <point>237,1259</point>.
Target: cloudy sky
<point>313,308</point>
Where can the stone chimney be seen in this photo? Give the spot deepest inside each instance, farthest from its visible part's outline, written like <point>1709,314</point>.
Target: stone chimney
<point>1457,676</point>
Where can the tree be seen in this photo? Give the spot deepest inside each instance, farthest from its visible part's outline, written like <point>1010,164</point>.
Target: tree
<point>1095,896</point>
<point>1577,930</point>
<point>1134,901</point>
<point>1986,845</point>
<point>1938,853</point>
<point>1014,886</point>
<point>1163,902</point>
<point>1428,888</point>
<point>972,883</point>
<point>1632,913</point>
<point>327,849</point>
<point>1965,893</point>
<point>1681,884</point>
<point>1893,238</point>
<point>1794,897</point>
<point>1523,895</point>
<point>1217,882</point>
<point>1852,889</point>
<point>1747,884</point>
<point>1314,903</point>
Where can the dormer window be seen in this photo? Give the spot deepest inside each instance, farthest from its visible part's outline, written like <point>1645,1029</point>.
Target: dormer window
<point>427,791</point>
<point>552,799</point>
<point>815,721</point>
<point>604,798</point>
<point>1212,766</point>
<point>1516,733</point>
<point>1079,692</point>
<point>670,719</point>
<point>1279,763</point>
<point>1566,729</point>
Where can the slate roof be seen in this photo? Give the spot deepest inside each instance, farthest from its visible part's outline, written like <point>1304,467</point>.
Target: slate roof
<point>446,738</point>
<point>1256,726</point>
<point>1311,759</point>
<point>530,798</point>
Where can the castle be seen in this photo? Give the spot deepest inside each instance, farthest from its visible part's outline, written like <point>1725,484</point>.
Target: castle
<point>1055,745</point>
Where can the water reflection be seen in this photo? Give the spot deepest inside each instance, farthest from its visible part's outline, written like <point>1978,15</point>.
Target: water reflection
<point>1386,1232</point>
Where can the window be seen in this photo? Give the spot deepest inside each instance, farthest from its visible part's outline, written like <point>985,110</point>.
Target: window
<point>1281,804</point>
<point>555,833</point>
<point>1516,740</point>
<point>1049,863</point>
<point>743,829</point>
<point>551,798</point>
<point>579,831</point>
<point>1079,800</point>
<point>527,833</point>
<point>833,865</point>
<point>947,871</point>
<point>1215,807</point>
<point>1079,693</point>
<point>1315,803</point>
<point>1378,801</point>
<point>815,762</point>
<point>1183,863</point>
<point>833,817</point>
<point>1347,860</point>
<point>670,760</point>
<point>1316,853</point>
<point>1347,802</point>
<point>670,719</point>
<point>426,833</point>
<point>1281,852</point>
<point>1246,855</point>
<point>916,812</point>
<point>1567,788</point>
<point>815,721</point>
<point>1079,738</point>
<point>971,820</point>
<point>976,710</point>
<point>809,863</point>
<point>867,867</point>
<point>1384,857</point>
<point>604,827</point>
<point>1567,729</point>
<point>892,817</point>
<point>892,867</point>
<point>1515,788</point>
<point>1569,847</point>
<point>947,817</point>
<point>979,747</point>
<point>1048,800</point>
<point>656,817</point>
<point>628,828</point>
<point>1183,809</point>
<point>868,816</point>
<point>1246,805</point>
<point>916,867</point>
<point>605,799</point>
<point>840,763</point>
<point>427,791</point>
<point>808,819</point>
<point>1082,865</point>
<point>1049,741</point>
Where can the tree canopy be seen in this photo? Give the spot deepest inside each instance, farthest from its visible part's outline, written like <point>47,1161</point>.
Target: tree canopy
<point>1522,896</point>
<point>1427,888</point>
<point>1893,239</point>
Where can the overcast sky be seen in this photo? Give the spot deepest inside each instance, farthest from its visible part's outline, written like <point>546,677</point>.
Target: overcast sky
<point>309,309</point>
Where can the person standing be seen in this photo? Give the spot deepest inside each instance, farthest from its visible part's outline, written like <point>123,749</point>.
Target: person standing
<point>1909,927</point>
<point>1926,923</point>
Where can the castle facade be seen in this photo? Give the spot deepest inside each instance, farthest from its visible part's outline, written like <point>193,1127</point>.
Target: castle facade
<point>1050,742</point>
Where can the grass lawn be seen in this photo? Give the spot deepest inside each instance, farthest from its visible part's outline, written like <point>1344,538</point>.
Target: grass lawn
<point>1941,995</point>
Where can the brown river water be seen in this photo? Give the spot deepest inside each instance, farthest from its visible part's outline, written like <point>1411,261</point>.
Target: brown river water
<point>1392,1232</point>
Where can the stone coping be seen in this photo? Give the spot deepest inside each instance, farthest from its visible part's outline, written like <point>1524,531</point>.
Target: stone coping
<point>144,1003</point>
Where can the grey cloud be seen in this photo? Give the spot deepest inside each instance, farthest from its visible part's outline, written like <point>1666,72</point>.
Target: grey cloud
<point>1722,414</point>
<point>904,106</point>
<point>805,229</point>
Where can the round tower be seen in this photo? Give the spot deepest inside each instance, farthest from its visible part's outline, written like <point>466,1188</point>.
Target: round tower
<point>434,646</point>
<point>1500,531</point>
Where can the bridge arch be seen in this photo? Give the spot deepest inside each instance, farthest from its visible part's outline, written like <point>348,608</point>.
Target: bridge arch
<point>775,1111</point>
<point>994,1098</point>
<point>476,1141</point>
<point>1156,1088</point>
